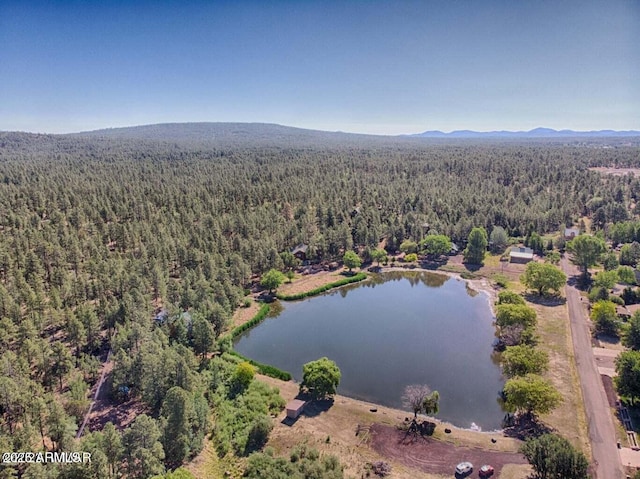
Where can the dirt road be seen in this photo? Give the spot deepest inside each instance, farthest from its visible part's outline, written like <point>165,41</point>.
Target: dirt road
<point>606,459</point>
<point>106,368</point>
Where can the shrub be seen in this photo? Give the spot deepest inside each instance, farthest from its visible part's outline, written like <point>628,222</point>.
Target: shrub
<point>616,300</point>
<point>603,315</point>
<point>631,296</point>
<point>553,456</point>
<point>242,421</point>
<point>380,468</point>
<point>515,335</point>
<point>265,369</point>
<point>409,247</point>
<point>626,275</point>
<point>510,297</point>
<point>501,280</point>
<point>259,433</point>
<point>509,314</point>
<point>410,258</point>
<point>243,375</point>
<point>522,360</point>
<point>598,293</point>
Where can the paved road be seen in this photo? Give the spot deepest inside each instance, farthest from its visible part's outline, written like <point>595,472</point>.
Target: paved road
<point>602,433</point>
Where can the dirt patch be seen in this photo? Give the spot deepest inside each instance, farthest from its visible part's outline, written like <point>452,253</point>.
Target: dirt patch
<point>493,268</point>
<point>242,315</point>
<point>610,389</point>
<point>430,455</point>
<point>333,430</point>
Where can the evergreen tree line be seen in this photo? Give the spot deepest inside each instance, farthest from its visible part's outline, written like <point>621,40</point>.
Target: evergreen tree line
<point>97,235</point>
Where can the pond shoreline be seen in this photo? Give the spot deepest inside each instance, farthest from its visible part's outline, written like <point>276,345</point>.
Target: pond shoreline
<point>474,287</point>
<point>481,285</point>
<point>347,416</point>
<point>381,414</point>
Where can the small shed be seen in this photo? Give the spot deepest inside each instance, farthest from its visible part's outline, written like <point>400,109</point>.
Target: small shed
<point>521,255</point>
<point>455,249</point>
<point>295,408</point>
<point>300,251</point>
<point>570,233</point>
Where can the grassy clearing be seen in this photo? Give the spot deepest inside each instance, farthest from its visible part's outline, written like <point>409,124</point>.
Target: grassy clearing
<point>302,283</point>
<point>321,289</point>
<point>453,268</point>
<point>515,471</point>
<point>492,260</point>
<point>242,315</point>
<point>569,418</point>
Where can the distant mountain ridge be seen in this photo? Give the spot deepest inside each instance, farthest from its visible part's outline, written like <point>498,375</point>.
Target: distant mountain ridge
<point>535,133</point>
<point>211,131</point>
<point>272,131</point>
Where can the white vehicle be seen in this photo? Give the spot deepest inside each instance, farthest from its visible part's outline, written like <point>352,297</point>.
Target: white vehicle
<point>464,468</point>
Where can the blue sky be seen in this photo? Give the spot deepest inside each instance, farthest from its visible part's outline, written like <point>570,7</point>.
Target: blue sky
<point>361,66</point>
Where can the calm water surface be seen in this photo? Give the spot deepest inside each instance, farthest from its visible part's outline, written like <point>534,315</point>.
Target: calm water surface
<point>391,331</point>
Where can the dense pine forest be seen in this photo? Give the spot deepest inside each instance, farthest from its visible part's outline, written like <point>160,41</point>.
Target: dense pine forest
<point>99,232</point>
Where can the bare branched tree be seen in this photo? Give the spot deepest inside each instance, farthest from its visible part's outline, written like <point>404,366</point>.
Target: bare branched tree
<point>414,397</point>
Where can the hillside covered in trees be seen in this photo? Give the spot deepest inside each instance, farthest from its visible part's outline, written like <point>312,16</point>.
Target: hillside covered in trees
<point>101,231</point>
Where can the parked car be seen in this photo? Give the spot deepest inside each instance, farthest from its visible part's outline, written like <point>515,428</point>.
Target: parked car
<point>486,471</point>
<point>464,468</point>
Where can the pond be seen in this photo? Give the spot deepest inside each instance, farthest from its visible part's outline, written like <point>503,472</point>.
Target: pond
<point>393,330</point>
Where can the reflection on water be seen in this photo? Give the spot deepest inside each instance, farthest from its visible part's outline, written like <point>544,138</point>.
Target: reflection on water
<point>392,330</point>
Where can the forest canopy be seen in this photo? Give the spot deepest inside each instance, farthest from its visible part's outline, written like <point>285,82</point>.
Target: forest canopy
<point>145,245</point>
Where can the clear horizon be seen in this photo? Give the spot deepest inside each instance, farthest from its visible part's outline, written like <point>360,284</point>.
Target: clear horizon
<point>315,129</point>
<point>372,67</point>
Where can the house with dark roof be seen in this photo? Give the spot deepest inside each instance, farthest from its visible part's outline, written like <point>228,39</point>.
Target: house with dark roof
<point>300,251</point>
